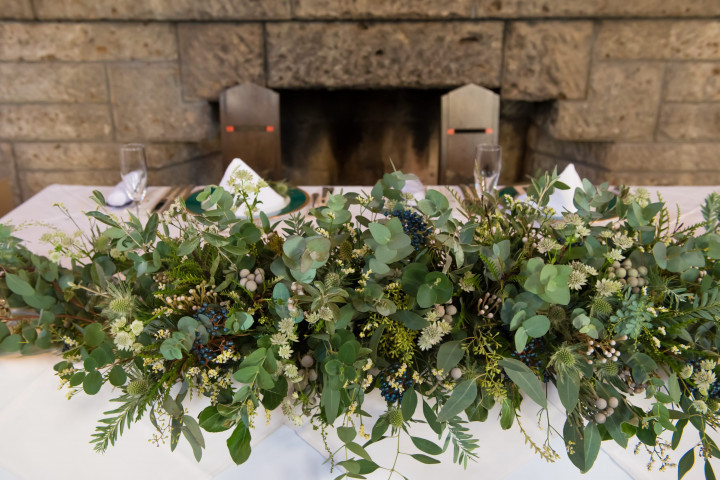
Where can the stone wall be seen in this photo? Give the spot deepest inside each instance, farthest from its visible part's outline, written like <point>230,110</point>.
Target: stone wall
<point>629,90</point>
<point>651,113</point>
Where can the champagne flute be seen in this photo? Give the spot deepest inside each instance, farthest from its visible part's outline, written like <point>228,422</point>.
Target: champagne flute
<point>133,169</point>
<point>488,162</point>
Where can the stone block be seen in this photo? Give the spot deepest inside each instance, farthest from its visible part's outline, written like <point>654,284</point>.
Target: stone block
<point>659,39</point>
<point>217,56</point>
<point>692,82</point>
<point>401,9</point>
<point>16,9</point>
<point>597,174</point>
<point>163,9</point>
<point>52,82</point>
<point>147,105</point>
<point>689,121</point>
<point>55,122</point>
<point>417,54</point>
<point>87,42</point>
<point>622,104</point>
<point>623,157</point>
<point>83,156</point>
<point>595,8</point>
<point>661,158</point>
<point>547,60</point>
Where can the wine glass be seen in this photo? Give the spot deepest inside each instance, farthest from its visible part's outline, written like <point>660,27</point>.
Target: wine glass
<point>133,169</point>
<point>488,161</point>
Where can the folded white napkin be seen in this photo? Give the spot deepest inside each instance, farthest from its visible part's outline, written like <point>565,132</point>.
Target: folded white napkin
<point>118,197</point>
<point>415,187</point>
<point>562,200</point>
<point>272,202</point>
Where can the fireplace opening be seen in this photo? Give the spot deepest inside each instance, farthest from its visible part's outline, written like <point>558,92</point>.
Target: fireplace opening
<point>351,137</point>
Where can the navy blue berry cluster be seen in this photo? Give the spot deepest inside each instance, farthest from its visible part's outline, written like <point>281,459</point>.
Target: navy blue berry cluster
<point>413,225</point>
<point>217,343</point>
<point>531,356</point>
<point>394,378</point>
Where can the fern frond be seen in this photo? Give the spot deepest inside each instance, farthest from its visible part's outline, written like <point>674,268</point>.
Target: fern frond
<point>705,307</point>
<point>295,225</point>
<point>463,442</point>
<point>492,265</point>
<point>112,427</point>
<point>711,210</point>
<point>663,221</point>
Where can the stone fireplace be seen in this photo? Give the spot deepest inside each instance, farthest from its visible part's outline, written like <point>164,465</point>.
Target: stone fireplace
<point>628,91</point>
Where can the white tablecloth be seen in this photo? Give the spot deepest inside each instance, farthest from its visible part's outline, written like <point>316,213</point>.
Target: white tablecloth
<point>44,436</point>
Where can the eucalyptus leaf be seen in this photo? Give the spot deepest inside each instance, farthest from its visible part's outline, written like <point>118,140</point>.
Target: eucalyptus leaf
<point>239,444</point>
<point>380,233</point>
<point>426,446</point>
<point>686,463</point>
<point>568,386</point>
<point>18,285</point>
<point>212,421</point>
<point>92,382</point>
<point>117,376</point>
<point>449,355</point>
<point>94,334</point>
<point>463,395</point>
<point>409,404</point>
<point>525,379</point>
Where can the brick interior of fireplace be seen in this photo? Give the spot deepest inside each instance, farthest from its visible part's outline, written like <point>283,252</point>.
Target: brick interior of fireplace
<point>351,137</point>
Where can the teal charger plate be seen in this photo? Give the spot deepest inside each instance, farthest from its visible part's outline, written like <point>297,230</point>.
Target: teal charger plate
<point>298,199</point>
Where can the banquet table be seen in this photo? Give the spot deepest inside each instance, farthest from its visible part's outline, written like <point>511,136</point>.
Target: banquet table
<point>43,435</point>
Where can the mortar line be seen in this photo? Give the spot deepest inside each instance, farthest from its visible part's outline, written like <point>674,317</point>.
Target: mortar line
<point>663,87</point>
<point>591,64</point>
<point>111,110</point>
<point>20,189</point>
<point>34,10</point>
<point>266,60</point>
<point>506,33</point>
<point>179,61</point>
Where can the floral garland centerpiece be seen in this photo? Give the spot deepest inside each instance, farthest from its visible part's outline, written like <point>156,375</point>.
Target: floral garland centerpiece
<point>447,312</point>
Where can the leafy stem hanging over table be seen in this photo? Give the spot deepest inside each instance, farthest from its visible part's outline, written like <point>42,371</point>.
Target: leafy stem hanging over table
<point>447,312</point>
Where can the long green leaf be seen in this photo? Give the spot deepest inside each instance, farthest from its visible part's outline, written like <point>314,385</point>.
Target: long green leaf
<point>331,403</point>
<point>686,463</point>
<point>239,444</point>
<point>591,445</point>
<point>709,473</point>
<point>188,246</point>
<point>18,285</point>
<point>674,388</point>
<point>409,404</point>
<point>462,397</point>
<point>568,386</point>
<point>426,446</point>
<point>525,379</point>
<point>449,354</point>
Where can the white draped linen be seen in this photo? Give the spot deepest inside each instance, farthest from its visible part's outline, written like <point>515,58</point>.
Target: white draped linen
<point>45,436</point>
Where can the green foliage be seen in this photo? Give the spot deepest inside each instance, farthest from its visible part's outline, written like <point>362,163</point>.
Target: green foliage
<point>314,313</point>
<point>110,428</point>
<point>633,316</point>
